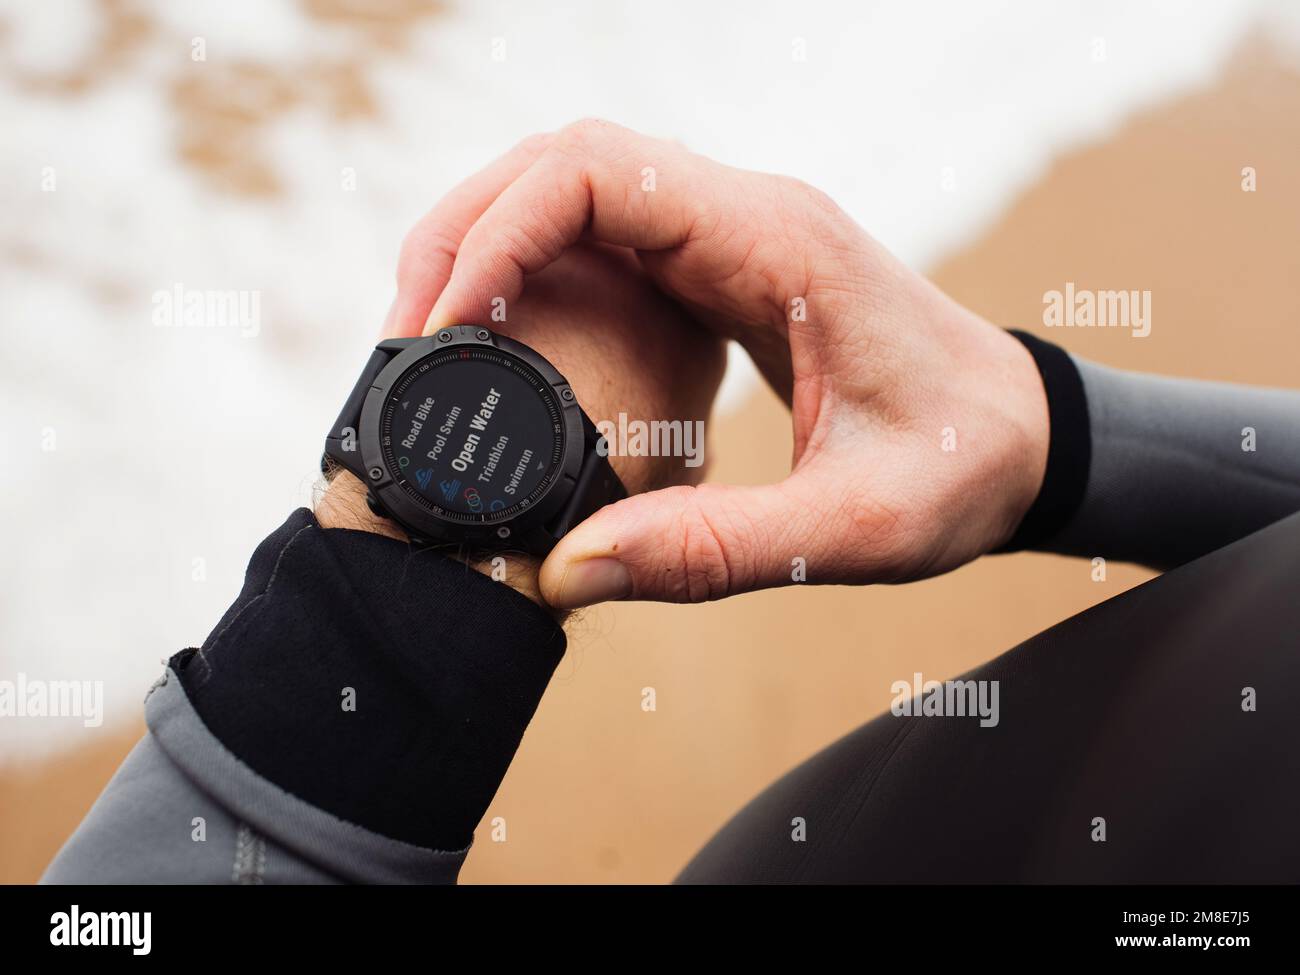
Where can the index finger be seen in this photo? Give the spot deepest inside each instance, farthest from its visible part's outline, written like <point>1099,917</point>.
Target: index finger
<point>617,185</point>
<point>429,250</point>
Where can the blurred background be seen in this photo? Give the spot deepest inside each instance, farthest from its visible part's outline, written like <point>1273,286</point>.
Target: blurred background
<point>283,148</point>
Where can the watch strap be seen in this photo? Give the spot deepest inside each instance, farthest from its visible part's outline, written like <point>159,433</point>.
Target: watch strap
<point>342,445</point>
<point>596,487</point>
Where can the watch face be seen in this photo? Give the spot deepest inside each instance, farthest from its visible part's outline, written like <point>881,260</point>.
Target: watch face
<point>473,434</point>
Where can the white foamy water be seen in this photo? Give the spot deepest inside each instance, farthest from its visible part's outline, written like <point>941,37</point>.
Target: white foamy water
<point>142,464</point>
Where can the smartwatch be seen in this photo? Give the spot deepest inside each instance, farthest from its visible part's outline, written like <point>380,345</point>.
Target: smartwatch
<point>465,436</point>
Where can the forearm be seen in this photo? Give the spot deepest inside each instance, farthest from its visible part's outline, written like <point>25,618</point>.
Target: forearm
<point>1175,468</point>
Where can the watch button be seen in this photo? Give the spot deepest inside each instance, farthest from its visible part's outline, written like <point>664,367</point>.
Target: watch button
<point>375,506</point>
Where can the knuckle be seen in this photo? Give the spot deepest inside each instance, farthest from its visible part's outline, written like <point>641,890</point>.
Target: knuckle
<point>426,245</point>
<point>535,144</point>
<point>709,563</point>
<point>525,244</point>
<point>788,184</point>
<point>586,135</point>
<point>811,201</point>
<point>833,244</point>
<point>821,200</point>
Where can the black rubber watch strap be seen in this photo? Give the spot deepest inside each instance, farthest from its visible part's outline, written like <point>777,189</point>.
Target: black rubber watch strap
<point>597,486</point>
<point>342,445</point>
<point>1069,451</point>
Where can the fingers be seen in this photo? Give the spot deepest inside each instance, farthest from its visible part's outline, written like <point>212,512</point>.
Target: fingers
<point>687,544</point>
<point>429,250</point>
<point>595,178</point>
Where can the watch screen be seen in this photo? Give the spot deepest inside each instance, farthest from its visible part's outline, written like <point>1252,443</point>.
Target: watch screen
<point>474,434</point>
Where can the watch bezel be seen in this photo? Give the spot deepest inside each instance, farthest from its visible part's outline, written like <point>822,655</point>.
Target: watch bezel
<point>523,529</point>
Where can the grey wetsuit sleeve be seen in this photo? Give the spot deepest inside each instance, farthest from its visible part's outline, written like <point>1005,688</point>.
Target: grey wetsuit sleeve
<point>1180,467</point>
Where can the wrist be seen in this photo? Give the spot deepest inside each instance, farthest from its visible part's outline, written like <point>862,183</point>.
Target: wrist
<point>343,505</point>
<point>1031,430</point>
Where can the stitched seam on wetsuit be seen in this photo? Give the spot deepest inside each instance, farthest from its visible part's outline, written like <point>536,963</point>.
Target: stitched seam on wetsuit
<point>250,857</point>
<point>255,601</point>
<point>839,823</point>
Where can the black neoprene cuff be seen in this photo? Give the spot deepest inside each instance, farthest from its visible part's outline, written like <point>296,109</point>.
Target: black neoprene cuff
<point>385,684</point>
<point>1069,451</point>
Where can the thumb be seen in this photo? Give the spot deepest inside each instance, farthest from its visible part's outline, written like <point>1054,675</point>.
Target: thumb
<point>682,545</point>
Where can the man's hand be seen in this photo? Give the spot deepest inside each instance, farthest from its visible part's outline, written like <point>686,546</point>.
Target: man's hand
<point>622,345</point>
<point>920,430</point>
